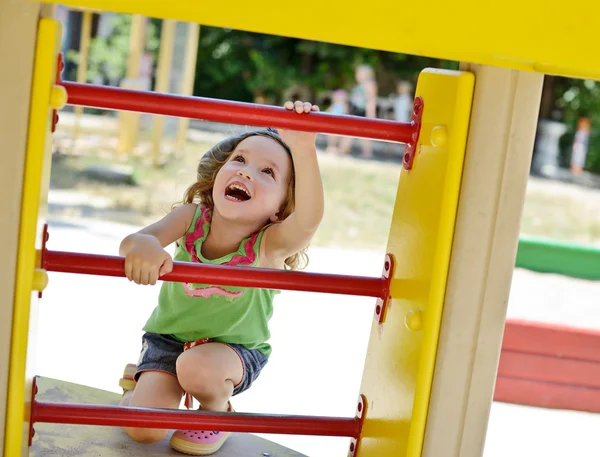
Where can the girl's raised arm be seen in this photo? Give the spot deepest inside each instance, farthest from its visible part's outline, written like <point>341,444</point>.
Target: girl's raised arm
<point>294,233</point>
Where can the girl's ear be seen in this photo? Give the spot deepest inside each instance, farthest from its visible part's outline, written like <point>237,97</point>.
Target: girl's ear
<point>277,217</point>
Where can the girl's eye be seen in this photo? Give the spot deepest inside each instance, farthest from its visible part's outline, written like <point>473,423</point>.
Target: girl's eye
<point>239,159</point>
<point>268,171</point>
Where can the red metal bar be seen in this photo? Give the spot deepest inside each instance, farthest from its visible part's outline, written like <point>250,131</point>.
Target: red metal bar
<point>237,113</point>
<point>64,413</point>
<point>93,264</point>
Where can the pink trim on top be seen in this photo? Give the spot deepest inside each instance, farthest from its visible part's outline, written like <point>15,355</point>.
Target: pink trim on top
<point>198,233</point>
<point>208,292</point>
<point>250,254</point>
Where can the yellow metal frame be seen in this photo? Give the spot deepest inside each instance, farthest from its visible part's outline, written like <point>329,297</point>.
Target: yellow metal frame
<point>398,372</point>
<point>494,182</point>
<point>535,35</point>
<point>39,141</point>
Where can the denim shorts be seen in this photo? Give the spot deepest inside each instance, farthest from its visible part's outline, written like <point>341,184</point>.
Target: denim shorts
<point>160,353</point>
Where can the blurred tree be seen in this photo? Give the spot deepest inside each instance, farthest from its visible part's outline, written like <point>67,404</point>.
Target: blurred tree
<point>267,65</point>
<point>108,55</point>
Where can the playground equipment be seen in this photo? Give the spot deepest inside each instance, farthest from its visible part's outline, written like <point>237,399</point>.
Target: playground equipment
<point>574,260</point>
<point>549,365</point>
<point>436,338</point>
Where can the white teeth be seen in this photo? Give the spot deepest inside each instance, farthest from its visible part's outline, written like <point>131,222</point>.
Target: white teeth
<point>235,186</point>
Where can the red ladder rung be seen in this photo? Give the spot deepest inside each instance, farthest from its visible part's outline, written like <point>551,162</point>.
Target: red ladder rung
<point>222,275</point>
<point>230,112</point>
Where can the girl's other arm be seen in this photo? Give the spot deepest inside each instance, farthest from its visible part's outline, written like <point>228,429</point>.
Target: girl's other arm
<point>145,257</point>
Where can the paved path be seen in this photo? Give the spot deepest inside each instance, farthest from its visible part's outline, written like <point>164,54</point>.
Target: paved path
<point>89,329</point>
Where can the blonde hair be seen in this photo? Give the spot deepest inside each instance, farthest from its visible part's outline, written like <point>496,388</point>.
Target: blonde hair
<point>210,164</point>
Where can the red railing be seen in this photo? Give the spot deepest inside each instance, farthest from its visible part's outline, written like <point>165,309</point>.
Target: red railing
<point>230,112</point>
<point>64,413</point>
<point>103,265</point>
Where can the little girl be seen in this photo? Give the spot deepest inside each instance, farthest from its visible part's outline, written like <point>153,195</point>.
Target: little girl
<point>257,202</point>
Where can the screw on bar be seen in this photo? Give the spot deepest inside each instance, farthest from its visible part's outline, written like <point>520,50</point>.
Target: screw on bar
<point>411,146</point>
<point>230,112</point>
<point>34,392</point>
<point>64,413</point>
<point>382,302</point>
<point>60,65</point>
<point>361,412</point>
<point>93,264</point>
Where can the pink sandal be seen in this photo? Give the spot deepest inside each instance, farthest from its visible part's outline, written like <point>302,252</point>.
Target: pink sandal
<point>199,442</point>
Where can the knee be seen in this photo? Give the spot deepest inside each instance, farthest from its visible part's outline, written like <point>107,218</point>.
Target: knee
<point>146,435</point>
<point>197,377</point>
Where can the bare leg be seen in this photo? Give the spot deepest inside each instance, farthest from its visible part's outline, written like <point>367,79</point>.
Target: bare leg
<point>367,151</point>
<point>210,372</point>
<point>154,389</point>
<point>332,142</point>
<point>345,144</point>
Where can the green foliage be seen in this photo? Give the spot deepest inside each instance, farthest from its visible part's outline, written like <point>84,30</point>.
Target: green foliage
<point>241,65</point>
<point>108,56</point>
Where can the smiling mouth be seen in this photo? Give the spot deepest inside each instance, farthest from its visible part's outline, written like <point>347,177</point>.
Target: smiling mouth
<point>237,193</point>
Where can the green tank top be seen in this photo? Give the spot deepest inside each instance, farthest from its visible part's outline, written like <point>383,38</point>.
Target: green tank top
<point>191,312</point>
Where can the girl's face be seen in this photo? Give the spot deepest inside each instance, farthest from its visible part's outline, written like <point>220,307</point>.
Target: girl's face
<point>252,185</point>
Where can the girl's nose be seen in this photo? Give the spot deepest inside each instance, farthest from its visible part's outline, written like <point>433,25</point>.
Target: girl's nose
<point>245,174</point>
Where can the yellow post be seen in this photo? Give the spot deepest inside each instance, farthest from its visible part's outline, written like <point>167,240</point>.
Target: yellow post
<point>18,23</point>
<point>33,172</point>
<point>501,136</point>
<point>84,52</point>
<point>163,76</point>
<point>130,121</point>
<point>187,83</point>
<point>399,369</point>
